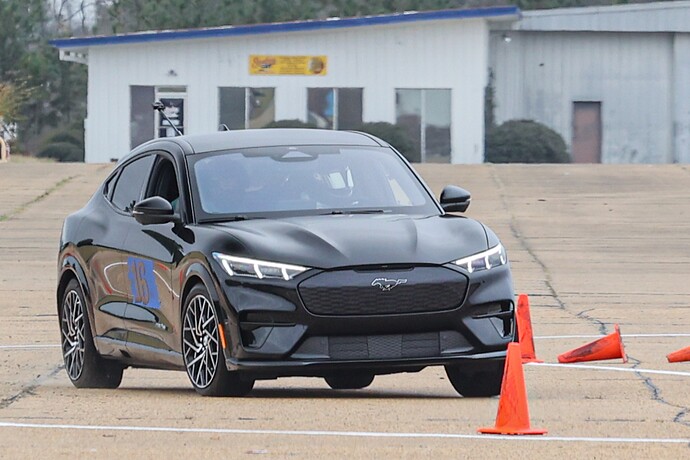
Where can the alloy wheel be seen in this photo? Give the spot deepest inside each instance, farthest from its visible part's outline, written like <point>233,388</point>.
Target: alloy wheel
<point>200,344</point>
<point>72,329</point>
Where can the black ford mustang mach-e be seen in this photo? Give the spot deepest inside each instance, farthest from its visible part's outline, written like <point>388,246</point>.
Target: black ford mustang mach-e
<point>248,255</point>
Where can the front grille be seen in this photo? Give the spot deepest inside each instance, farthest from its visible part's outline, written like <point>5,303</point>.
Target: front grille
<point>384,346</point>
<point>390,346</point>
<point>352,292</point>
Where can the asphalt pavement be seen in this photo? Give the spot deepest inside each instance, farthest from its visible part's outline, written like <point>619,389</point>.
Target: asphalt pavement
<point>592,245</point>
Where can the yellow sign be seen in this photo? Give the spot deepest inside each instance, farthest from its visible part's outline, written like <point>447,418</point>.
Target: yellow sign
<point>287,65</point>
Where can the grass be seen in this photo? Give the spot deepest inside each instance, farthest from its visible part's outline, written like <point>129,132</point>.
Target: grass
<point>22,207</point>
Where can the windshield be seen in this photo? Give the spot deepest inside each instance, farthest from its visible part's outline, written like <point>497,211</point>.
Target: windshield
<point>305,180</point>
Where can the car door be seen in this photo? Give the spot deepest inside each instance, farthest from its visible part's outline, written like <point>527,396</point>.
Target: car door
<point>153,252</point>
<point>107,225</point>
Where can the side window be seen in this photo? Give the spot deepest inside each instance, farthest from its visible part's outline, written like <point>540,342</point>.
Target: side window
<point>109,186</point>
<point>163,182</point>
<point>131,181</point>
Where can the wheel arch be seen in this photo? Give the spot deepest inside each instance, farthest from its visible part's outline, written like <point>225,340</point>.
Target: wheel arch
<point>70,269</point>
<point>197,273</point>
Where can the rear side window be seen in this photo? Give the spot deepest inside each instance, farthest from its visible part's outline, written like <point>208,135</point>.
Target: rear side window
<point>129,185</point>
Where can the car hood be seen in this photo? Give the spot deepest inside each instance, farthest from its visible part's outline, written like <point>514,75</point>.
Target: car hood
<point>353,240</point>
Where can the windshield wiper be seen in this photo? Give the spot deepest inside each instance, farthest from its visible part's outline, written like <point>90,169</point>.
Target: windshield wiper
<point>357,211</point>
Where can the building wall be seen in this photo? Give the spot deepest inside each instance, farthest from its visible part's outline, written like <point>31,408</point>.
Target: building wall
<point>681,97</point>
<point>449,54</point>
<point>669,16</point>
<point>538,75</point>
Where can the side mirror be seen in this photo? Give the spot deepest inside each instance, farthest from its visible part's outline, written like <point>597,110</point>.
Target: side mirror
<point>455,199</point>
<point>154,210</point>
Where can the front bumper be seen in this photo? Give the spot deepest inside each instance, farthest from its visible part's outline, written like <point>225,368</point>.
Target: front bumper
<point>307,368</point>
<point>271,333</point>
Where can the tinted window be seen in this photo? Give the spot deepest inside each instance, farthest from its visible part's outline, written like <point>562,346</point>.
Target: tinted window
<point>108,187</point>
<point>242,108</point>
<point>311,180</point>
<point>129,185</point>
<point>141,117</point>
<point>164,182</point>
<point>349,108</point>
<point>232,110</point>
<point>426,116</point>
<point>335,108</point>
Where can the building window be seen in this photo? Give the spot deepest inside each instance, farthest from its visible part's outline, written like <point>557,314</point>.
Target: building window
<point>243,108</point>
<point>174,99</point>
<point>425,115</point>
<point>335,108</point>
<point>141,118</point>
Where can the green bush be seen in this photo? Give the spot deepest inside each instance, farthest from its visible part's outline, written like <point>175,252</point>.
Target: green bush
<point>393,134</point>
<point>62,151</point>
<point>68,137</point>
<point>289,124</point>
<point>524,141</point>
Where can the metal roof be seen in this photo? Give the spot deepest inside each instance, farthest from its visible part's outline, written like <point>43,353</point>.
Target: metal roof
<point>671,16</point>
<point>496,13</point>
<point>268,137</point>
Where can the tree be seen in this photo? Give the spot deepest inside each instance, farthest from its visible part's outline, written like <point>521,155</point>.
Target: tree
<point>12,98</point>
<point>22,23</point>
<point>45,92</point>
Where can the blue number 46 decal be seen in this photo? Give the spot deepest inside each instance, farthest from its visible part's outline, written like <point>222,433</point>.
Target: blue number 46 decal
<point>143,282</point>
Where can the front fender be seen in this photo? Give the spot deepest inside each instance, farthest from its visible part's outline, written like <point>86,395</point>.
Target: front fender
<point>198,270</point>
<point>68,268</point>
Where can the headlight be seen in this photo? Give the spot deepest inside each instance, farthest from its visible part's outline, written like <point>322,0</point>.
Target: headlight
<point>486,260</point>
<point>239,266</point>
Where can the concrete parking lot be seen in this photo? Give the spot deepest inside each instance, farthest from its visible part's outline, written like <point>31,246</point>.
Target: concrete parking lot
<point>592,245</point>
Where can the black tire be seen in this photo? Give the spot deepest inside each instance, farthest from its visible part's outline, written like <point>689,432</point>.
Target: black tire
<point>203,355</point>
<point>84,366</point>
<point>350,381</point>
<point>477,383</point>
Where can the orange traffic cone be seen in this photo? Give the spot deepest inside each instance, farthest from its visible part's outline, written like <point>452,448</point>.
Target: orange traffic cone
<point>608,347</point>
<point>524,326</point>
<point>513,413</point>
<point>679,356</point>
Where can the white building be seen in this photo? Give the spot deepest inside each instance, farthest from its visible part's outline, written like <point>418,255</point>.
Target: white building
<point>613,81</point>
<point>424,70</point>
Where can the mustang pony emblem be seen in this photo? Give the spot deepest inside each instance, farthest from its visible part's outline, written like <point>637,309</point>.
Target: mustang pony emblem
<point>386,284</point>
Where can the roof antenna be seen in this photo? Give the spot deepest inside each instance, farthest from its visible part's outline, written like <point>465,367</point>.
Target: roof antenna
<point>160,107</point>
<point>223,127</point>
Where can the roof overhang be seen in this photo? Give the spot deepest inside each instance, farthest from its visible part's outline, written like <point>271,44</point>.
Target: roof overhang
<point>79,45</point>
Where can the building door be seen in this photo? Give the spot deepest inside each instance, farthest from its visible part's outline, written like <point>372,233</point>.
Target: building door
<point>586,132</point>
<point>147,124</point>
<point>174,103</point>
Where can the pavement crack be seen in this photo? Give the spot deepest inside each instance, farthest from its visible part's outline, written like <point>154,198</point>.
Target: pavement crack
<point>24,206</point>
<point>657,396</point>
<point>602,326</point>
<point>29,390</point>
<point>515,230</point>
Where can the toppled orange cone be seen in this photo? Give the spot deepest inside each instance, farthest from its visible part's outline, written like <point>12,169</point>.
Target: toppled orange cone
<point>608,347</point>
<point>679,356</point>
<point>513,413</point>
<point>524,327</point>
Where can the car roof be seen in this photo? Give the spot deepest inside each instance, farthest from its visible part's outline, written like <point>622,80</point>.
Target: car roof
<point>271,137</point>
